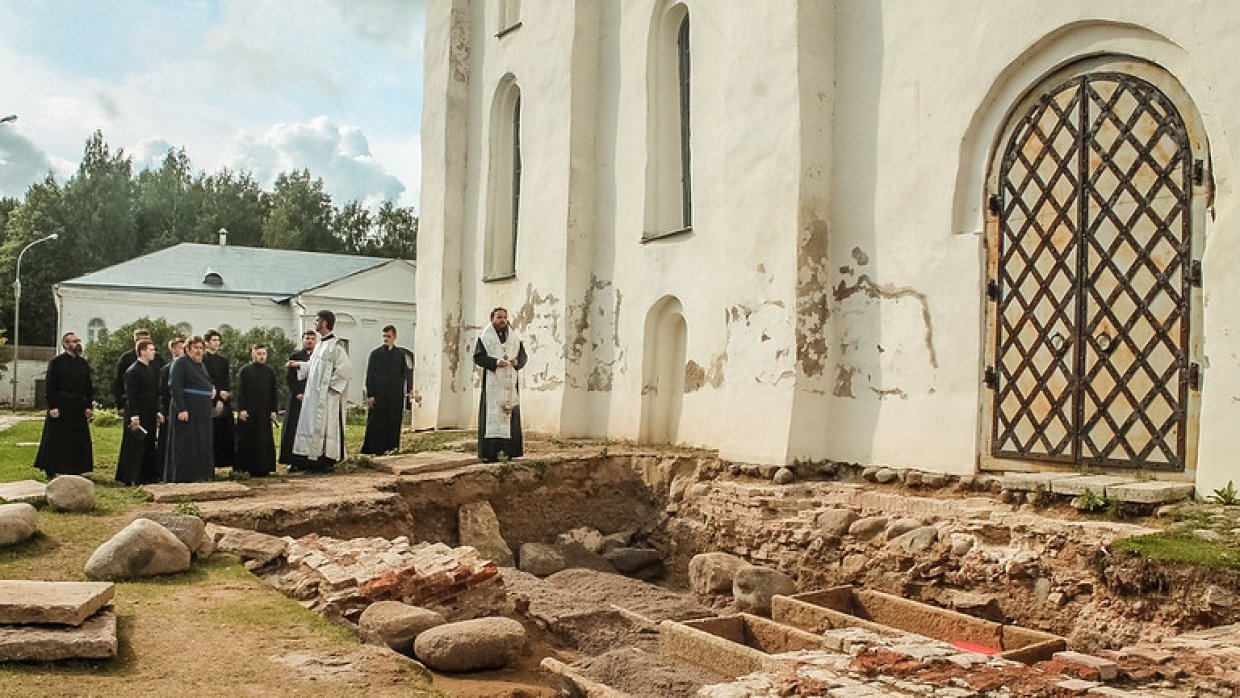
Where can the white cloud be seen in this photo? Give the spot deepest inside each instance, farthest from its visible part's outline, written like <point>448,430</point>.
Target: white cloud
<point>149,154</point>
<point>21,161</point>
<point>340,155</point>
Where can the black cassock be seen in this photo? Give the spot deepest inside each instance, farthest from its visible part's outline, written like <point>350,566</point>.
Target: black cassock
<point>221,426</point>
<point>256,396</point>
<point>122,365</point>
<point>489,448</point>
<point>165,397</point>
<point>138,463</point>
<point>292,414</point>
<point>386,374</point>
<point>65,447</point>
<point>190,457</point>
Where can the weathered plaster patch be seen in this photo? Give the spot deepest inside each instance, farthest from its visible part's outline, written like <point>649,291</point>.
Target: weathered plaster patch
<point>860,257</point>
<point>767,359</point>
<point>872,290</point>
<point>538,320</point>
<point>890,392</point>
<point>843,382</point>
<point>697,377</point>
<point>812,307</point>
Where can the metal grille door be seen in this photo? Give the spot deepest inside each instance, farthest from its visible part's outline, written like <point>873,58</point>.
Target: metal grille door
<point>1091,298</point>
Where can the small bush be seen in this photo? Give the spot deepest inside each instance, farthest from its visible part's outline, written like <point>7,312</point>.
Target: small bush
<point>187,507</point>
<point>105,417</point>
<point>1227,496</point>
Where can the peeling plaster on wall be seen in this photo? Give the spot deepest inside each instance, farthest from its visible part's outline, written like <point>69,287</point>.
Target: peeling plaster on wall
<point>758,343</point>
<point>860,257</point>
<point>697,377</point>
<point>452,343</point>
<point>843,382</point>
<point>458,52</point>
<point>872,290</point>
<point>538,322</point>
<point>890,392</point>
<point>812,303</point>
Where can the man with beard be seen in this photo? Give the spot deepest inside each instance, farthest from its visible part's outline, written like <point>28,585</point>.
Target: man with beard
<point>190,457</point>
<point>222,421</point>
<point>137,464</point>
<point>387,377</point>
<point>256,412</point>
<point>500,353</point>
<point>176,349</point>
<point>320,427</point>
<point>66,447</point>
<point>296,392</point>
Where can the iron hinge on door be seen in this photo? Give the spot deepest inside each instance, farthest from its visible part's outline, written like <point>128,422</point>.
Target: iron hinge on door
<point>1199,172</point>
<point>995,204</point>
<point>1194,376</point>
<point>992,290</point>
<point>991,377</point>
<point>1194,273</point>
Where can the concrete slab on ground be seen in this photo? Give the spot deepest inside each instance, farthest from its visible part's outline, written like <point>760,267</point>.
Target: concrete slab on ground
<point>427,461</point>
<point>28,491</point>
<point>1151,492</point>
<point>1033,482</point>
<point>196,491</point>
<point>1094,483</point>
<point>93,639</point>
<point>61,603</point>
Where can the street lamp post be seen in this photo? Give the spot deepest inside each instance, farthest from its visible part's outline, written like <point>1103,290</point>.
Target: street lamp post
<point>8,119</point>
<point>17,310</point>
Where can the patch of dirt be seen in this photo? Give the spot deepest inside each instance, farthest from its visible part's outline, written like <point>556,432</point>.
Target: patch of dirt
<point>643,674</point>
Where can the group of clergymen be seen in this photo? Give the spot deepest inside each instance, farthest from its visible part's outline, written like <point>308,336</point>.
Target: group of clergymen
<point>179,417</point>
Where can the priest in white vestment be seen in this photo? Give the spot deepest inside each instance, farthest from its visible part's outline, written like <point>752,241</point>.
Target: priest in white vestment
<point>501,354</point>
<point>320,427</point>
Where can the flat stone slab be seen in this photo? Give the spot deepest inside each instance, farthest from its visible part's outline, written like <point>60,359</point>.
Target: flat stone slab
<point>1033,482</point>
<point>196,491</point>
<point>28,491</point>
<point>61,603</point>
<point>428,461</point>
<point>93,639</point>
<point>1097,484</point>
<point>1151,492</point>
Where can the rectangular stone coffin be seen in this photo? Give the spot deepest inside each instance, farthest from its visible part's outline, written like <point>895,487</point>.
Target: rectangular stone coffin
<point>60,603</point>
<point>885,614</point>
<point>93,639</point>
<point>732,646</point>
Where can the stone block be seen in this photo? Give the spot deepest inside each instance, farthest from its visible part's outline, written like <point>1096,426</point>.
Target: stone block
<point>28,491</point>
<point>1097,484</point>
<point>1033,482</point>
<point>425,462</point>
<point>196,491</point>
<point>61,603</point>
<point>93,639</point>
<point>1151,492</point>
<point>1103,669</point>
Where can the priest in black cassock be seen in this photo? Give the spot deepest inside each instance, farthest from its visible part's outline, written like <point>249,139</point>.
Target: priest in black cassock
<point>190,457</point>
<point>296,391</point>
<point>65,447</point>
<point>256,413</point>
<point>388,374</point>
<point>176,348</point>
<point>222,422</point>
<point>126,360</point>
<point>138,464</point>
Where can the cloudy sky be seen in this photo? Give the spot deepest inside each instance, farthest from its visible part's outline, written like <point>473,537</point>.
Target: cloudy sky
<point>261,85</point>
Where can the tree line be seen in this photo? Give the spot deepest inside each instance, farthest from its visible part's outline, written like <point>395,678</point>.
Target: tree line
<point>106,214</point>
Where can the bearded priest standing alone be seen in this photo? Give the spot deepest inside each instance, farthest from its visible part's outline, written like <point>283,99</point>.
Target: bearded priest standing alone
<point>500,353</point>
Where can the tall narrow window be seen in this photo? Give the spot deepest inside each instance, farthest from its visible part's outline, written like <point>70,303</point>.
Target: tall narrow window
<point>509,16</point>
<point>669,192</point>
<point>503,183</point>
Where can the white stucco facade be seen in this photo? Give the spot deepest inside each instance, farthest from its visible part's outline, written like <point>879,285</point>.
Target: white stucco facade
<point>830,299</point>
<point>364,302</point>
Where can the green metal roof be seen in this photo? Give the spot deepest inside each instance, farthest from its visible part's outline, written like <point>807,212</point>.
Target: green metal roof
<point>251,271</point>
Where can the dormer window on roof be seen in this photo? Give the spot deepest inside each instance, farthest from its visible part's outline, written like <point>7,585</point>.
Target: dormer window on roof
<point>213,278</point>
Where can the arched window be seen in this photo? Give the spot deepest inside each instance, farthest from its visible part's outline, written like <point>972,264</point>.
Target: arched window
<point>94,329</point>
<point>509,16</point>
<point>669,191</point>
<point>503,183</point>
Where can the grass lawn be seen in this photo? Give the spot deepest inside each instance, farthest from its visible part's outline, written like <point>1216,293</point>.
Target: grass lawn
<point>213,630</point>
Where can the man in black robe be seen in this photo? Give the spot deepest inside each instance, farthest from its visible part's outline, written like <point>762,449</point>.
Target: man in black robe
<point>501,354</point>
<point>388,374</point>
<point>256,412</point>
<point>190,457</point>
<point>66,447</point>
<point>296,391</point>
<point>126,360</point>
<point>176,348</point>
<point>222,423</point>
<point>138,464</point>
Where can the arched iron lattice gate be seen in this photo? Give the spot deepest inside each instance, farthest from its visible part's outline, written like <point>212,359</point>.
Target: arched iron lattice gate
<point>1092,293</point>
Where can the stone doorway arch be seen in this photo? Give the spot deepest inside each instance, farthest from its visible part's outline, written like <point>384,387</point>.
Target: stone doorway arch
<point>663,372</point>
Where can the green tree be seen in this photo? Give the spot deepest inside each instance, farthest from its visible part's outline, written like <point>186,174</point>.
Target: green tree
<point>167,203</point>
<point>396,233</point>
<point>100,222</point>
<point>232,201</point>
<point>301,215</point>
<point>104,353</point>
<point>351,225</point>
<point>41,214</point>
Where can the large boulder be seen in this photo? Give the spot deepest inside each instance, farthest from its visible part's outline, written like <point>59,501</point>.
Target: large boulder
<point>470,645</point>
<point>834,523</point>
<point>754,586</point>
<point>479,529</point>
<point>190,530</point>
<point>541,559</point>
<point>642,563</point>
<point>18,522</point>
<point>256,548</point>
<point>713,573</point>
<point>396,624</point>
<point>141,549</point>
<point>71,493</point>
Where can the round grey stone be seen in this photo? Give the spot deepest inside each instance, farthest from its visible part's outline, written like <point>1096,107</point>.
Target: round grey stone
<point>141,549</point>
<point>713,573</point>
<point>899,527</point>
<point>18,522</point>
<point>886,476</point>
<point>783,476</point>
<point>835,522</point>
<point>868,527</point>
<point>72,493</point>
<point>470,645</point>
<point>754,587</point>
<point>396,624</point>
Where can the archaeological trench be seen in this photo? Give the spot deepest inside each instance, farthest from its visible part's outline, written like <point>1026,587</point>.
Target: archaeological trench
<point>848,582</point>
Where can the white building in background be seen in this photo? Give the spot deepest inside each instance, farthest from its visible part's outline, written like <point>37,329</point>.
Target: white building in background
<point>199,287</point>
<point>946,234</point>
